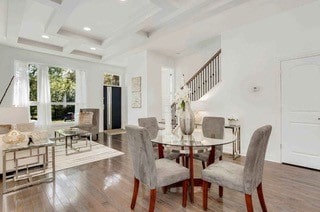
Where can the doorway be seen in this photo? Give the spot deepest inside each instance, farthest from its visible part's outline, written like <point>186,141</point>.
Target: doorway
<point>301,111</point>
<point>167,85</point>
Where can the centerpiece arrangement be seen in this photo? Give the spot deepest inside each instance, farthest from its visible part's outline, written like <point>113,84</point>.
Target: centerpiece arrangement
<point>186,116</point>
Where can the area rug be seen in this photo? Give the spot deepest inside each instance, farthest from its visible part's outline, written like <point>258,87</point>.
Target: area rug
<point>98,152</point>
<point>115,131</point>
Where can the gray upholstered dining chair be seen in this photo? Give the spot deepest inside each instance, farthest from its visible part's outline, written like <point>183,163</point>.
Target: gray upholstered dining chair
<point>151,124</point>
<point>152,173</point>
<point>212,127</point>
<point>241,178</point>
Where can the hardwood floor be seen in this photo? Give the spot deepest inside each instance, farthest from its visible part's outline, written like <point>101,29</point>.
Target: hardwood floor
<point>107,185</point>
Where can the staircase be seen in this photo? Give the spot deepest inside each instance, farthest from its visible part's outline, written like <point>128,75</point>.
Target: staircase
<point>208,76</point>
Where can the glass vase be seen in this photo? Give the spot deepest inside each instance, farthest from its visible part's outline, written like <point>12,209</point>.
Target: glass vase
<point>186,120</point>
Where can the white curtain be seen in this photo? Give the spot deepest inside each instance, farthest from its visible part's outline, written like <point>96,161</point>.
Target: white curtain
<point>21,89</point>
<point>44,97</point>
<point>81,92</point>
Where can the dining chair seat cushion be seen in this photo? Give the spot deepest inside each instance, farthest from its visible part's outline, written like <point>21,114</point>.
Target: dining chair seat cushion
<point>169,172</point>
<point>204,156</point>
<point>225,174</point>
<point>172,155</point>
<point>167,154</point>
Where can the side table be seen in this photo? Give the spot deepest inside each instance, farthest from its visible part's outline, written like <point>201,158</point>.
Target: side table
<point>27,164</point>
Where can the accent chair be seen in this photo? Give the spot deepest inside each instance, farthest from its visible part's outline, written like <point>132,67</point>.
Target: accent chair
<point>89,121</point>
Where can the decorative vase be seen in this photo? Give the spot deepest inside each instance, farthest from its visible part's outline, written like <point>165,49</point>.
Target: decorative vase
<point>186,120</point>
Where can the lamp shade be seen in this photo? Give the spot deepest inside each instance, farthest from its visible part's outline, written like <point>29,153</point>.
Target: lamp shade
<point>14,115</point>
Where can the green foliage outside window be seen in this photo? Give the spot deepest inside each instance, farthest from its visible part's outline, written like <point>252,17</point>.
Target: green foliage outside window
<point>33,80</point>
<point>111,80</point>
<point>62,89</point>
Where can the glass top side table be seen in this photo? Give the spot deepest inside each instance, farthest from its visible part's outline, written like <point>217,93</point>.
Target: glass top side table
<point>25,165</point>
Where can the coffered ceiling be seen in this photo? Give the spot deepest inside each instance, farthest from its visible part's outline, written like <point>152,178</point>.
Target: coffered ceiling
<point>117,28</point>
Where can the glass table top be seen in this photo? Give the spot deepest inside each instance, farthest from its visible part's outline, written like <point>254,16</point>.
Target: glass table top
<point>24,145</point>
<point>71,132</point>
<point>195,140</point>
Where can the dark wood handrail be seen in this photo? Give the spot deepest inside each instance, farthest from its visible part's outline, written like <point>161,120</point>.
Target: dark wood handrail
<point>205,65</point>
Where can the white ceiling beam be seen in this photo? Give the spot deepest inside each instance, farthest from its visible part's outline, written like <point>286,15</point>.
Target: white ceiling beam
<point>50,3</point>
<point>201,11</point>
<point>164,4</point>
<point>60,15</point>
<point>84,39</point>
<point>15,15</point>
<point>72,45</point>
<point>132,26</point>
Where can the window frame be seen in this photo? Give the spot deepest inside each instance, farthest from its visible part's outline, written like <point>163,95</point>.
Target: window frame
<point>37,103</point>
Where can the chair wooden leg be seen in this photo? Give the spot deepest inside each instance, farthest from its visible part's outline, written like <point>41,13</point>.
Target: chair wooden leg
<point>135,193</point>
<point>177,160</point>
<point>203,165</point>
<point>164,189</point>
<point>184,193</point>
<point>153,194</point>
<point>249,202</point>
<point>205,195</point>
<point>187,162</point>
<point>261,198</point>
<point>220,191</point>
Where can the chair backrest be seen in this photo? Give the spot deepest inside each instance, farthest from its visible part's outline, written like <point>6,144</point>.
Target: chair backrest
<point>213,127</point>
<point>253,168</point>
<point>95,118</point>
<point>151,124</point>
<point>141,151</point>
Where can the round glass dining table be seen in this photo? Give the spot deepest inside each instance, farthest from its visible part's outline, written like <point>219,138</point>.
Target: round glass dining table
<point>190,144</point>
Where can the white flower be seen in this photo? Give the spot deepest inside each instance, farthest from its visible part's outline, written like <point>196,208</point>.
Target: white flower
<point>182,96</point>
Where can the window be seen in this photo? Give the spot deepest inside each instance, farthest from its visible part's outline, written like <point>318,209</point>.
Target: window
<point>63,93</point>
<point>111,80</point>
<point>62,83</point>
<point>33,86</point>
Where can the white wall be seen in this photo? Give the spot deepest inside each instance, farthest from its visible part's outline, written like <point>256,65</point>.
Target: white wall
<point>94,74</point>
<point>148,65</point>
<point>155,63</point>
<point>251,56</point>
<point>137,67</point>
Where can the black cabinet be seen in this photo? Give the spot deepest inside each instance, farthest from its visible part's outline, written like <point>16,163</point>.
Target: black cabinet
<point>112,107</point>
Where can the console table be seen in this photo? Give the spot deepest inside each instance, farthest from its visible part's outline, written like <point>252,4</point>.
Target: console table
<point>236,149</point>
<point>27,164</point>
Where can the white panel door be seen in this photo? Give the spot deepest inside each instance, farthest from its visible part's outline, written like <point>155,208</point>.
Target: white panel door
<point>300,80</point>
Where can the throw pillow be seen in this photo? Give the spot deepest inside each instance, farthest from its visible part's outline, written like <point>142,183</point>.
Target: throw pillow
<point>5,128</point>
<point>85,118</point>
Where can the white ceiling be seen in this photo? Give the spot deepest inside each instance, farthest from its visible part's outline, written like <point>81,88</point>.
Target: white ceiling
<point>119,28</point>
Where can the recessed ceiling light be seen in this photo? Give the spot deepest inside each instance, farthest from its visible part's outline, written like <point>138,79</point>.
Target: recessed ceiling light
<point>87,29</point>
<point>122,0</point>
<point>45,36</point>
<point>92,48</point>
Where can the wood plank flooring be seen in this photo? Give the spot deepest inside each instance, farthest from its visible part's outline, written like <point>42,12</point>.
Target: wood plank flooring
<point>107,186</point>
